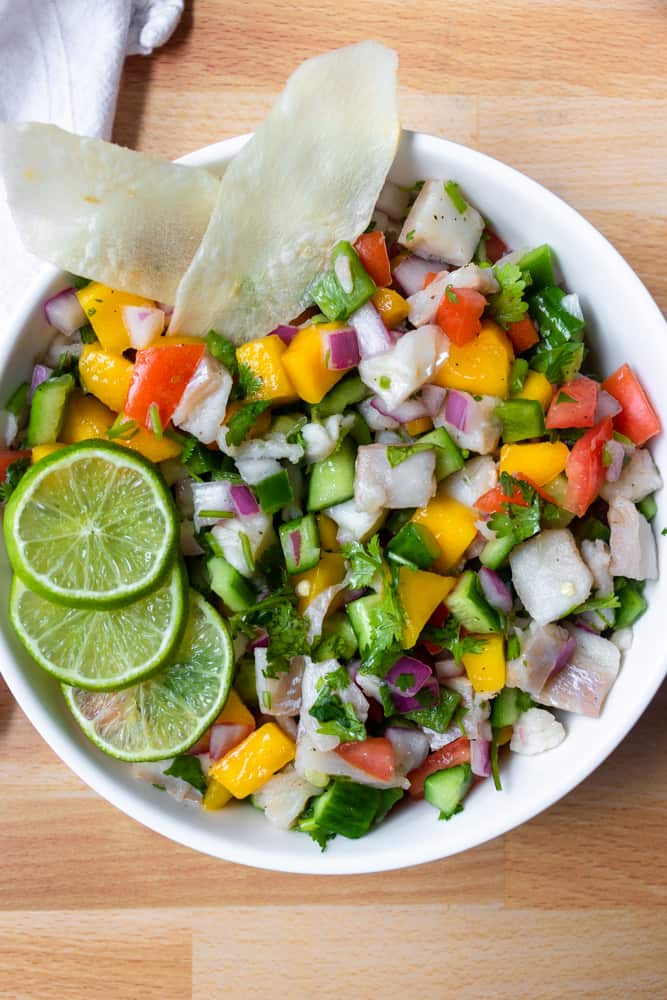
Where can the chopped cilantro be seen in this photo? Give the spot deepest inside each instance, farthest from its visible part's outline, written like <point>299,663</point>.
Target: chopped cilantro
<point>449,637</point>
<point>564,397</point>
<point>451,294</point>
<point>397,453</point>
<point>437,717</point>
<point>508,305</point>
<point>222,350</point>
<point>517,522</point>
<point>404,682</point>
<point>410,236</point>
<point>454,193</point>
<point>286,628</point>
<point>249,382</point>
<point>87,334</point>
<point>13,476</point>
<point>513,647</point>
<point>243,420</point>
<point>597,604</point>
<point>337,717</point>
<point>365,563</point>
<point>188,768</point>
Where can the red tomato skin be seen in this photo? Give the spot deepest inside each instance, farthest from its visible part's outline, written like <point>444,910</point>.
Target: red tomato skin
<point>456,752</point>
<point>7,458</point>
<point>374,756</point>
<point>372,250</point>
<point>495,248</point>
<point>637,420</point>
<point>584,468</point>
<point>581,412</point>
<point>461,320</point>
<point>523,334</point>
<point>160,376</point>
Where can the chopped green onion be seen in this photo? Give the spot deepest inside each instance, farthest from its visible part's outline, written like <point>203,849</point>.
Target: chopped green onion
<point>18,399</point>
<point>410,236</point>
<point>454,192</point>
<point>122,428</point>
<point>495,770</point>
<point>154,419</point>
<point>247,551</point>
<point>220,514</point>
<point>451,294</point>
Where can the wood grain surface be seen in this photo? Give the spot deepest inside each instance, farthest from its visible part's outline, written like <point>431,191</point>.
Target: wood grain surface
<point>571,905</point>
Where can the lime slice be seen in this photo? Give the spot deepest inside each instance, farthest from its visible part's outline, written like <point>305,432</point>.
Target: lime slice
<point>92,525</point>
<point>101,650</point>
<point>164,715</point>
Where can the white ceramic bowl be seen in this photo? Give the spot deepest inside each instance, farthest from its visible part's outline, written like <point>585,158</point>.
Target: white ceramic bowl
<point>624,324</point>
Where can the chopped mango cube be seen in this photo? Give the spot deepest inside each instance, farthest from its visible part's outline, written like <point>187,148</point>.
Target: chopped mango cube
<point>42,450</point>
<point>265,358</point>
<point>216,796</point>
<point>328,533</point>
<point>481,367</point>
<point>392,307</point>
<point>305,362</point>
<point>486,670</point>
<point>235,712</point>
<point>539,462</point>
<point>329,570</point>
<point>419,426</point>
<point>250,764</point>
<point>537,386</point>
<point>420,593</point>
<point>453,526</point>
<point>107,376</point>
<point>103,307</point>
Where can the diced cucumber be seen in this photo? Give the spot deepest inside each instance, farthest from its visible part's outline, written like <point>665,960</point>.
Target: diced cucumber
<point>469,606</point>
<point>332,479</point>
<point>18,400</point>
<point>233,589</point>
<point>495,552</point>
<point>633,603</point>
<point>539,264</point>
<point>521,419</point>
<point>308,546</point>
<point>446,789</point>
<point>347,808</point>
<point>274,492</point>
<point>398,518</point>
<point>648,507</point>
<point>448,455</point>
<point>346,393</point>
<point>365,614</point>
<point>508,706</point>
<point>414,545</point>
<point>47,410</point>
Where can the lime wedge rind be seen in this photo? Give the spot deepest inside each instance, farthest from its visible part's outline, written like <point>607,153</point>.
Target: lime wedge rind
<point>101,537</point>
<point>163,715</point>
<point>102,650</point>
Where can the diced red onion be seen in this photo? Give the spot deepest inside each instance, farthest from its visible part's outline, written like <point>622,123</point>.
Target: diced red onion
<point>165,307</point>
<point>225,736</point>
<point>480,757</point>
<point>403,703</point>
<point>143,325</point>
<point>446,669</point>
<point>40,373</point>
<point>63,311</point>
<point>434,397</point>
<point>456,409</point>
<point>563,658</point>
<point>585,626</point>
<point>287,724</point>
<point>261,642</point>
<point>353,669</point>
<point>419,671</point>
<point>495,590</point>
<point>286,333</point>
<point>411,272</point>
<point>342,350</point>
<point>295,542</point>
<point>410,745</point>
<point>616,453</point>
<point>606,406</point>
<point>411,409</point>
<point>373,336</point>
<point>244,501</point>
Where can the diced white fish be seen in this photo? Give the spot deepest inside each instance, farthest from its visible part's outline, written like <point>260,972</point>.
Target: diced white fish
<point>273,445</point>
<point>638,478</point>
<point>203,405</point>
<point>549,575</point>
<point>378,485</point>
<point>317,610</point>
<point>354,524</point>
<point>399,372</point>
<point>321,439</point>
<point>483,428</point>
<point>254,470</point>
<point>411,747</point>
<point>583,684</point>
<point>284,797</point>
<point>475,719</point>
<point>279,695</point>
<point>376,421</point>
<point>597,557</point>
<point>314,676</point>
<point>540,647</point>
<point>632,543</point>
<point>424,303</point>
<point>535,731</point>
<point>153,773</point>
<point>468,484</point>
<point>259,534</point>
<point>436,229</point>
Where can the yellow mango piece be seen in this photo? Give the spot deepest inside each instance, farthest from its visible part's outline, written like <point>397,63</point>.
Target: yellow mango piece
<point>420,593</point>
<point>42,450</point>
<point>265,357</point>
<point>216,796</point>
<point>235,712</point>
<point>487,669</point>
<point>250,764</point>
<point>419,426</point>
<point>103,307</point>
<point>504,735</point>
<point>538,387</point>
<point>392,307</point>
<point>153,448</point>
<point>539,462</point>
<point>453,526</point>
<point>176,340</point>
<point>481,367</point>
<point>328,533</point>
<point>329,570</point>
<point>107,376</point>
<point>305,363</point>
<point>87,418</point>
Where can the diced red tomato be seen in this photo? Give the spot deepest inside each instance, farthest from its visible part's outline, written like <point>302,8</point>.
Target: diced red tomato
<point>585,469</point>
<point>495,499</point>
<point>429,277</point>
<point>523,334</point>
<point>437,620</point>
<point>372,249</point>
<point>495,248</point>
<point>573,404</point>
<point>460,314</point>
<point>374,756</point>
<point>456,752</point>
<point>160,376</point>
<point>637,420</point>
<point>7,458</point>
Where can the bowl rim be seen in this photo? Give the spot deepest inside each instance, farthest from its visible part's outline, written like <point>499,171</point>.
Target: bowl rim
<point>363,859</point>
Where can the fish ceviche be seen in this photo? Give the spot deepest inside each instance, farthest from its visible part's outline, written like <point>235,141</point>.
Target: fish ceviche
<point>355,557</point>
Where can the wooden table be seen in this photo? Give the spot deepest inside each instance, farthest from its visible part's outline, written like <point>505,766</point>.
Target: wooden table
<point>573,903</point>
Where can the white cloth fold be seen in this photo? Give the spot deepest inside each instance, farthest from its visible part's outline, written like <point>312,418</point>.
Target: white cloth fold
<point>61,62</point>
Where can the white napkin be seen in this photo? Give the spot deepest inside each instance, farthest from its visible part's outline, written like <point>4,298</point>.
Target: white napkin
<point>61,62</point>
